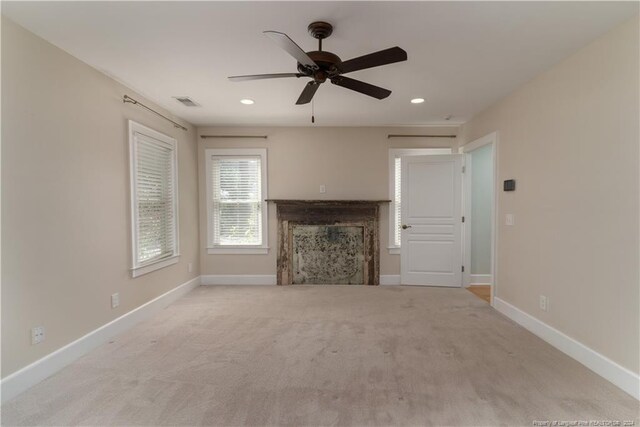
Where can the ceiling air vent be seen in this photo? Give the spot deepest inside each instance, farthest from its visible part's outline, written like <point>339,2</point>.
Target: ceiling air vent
<point>186,101</point>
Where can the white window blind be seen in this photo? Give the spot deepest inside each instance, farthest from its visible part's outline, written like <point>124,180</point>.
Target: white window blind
<point>237,200</point>
<point>398,200</point>
<point>154,201</point>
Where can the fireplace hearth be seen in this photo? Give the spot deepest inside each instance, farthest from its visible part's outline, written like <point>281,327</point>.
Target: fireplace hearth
<point>328,242</point>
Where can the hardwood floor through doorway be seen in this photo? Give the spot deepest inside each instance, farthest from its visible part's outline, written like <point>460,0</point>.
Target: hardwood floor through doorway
<point>481,291</point>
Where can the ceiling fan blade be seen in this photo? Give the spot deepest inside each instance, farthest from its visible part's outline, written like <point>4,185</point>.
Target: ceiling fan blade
<point>263,76</point>
<point>307,93</point>
<point>382,57</point>
<point>362,87</point>
<point>291,47</point>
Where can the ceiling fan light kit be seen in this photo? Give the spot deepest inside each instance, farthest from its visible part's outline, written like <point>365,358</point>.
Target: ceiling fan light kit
<point>321,65</point>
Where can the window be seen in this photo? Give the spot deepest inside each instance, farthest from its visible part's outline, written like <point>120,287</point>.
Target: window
<point>236,210</point>
<point>395,189</point>
<point>154,201</point>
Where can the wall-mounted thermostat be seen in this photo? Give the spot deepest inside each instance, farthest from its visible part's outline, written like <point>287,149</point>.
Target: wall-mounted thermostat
<point>510,185</point>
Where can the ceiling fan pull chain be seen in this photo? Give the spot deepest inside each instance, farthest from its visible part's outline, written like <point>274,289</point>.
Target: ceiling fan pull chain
<point>313,117</point>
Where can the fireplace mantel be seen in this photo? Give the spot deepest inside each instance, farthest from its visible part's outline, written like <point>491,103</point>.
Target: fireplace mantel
<point>294,213</point>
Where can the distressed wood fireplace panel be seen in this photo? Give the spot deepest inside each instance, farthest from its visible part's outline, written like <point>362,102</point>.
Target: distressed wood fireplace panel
<point>327,254</point>
<point>328,213</point>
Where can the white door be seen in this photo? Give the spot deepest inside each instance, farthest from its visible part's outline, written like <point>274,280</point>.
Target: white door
<point>431,213</point>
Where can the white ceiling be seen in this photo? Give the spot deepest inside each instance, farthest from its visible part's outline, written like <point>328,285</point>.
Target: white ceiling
<point>463,56</point>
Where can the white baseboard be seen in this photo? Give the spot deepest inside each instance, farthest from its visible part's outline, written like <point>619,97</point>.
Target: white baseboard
<point>32,374</point>
<point>390,279</point>
<point>238,279</point>
<point>622,377</point>
<point>481,279</point>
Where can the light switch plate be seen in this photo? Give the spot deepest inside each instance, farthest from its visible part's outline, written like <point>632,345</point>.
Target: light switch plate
<point>323,189</point>
<point>115,300</point>
<point>509,220</point>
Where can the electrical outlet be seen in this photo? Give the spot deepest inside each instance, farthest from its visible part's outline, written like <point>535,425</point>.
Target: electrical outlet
<point>37,335</point>
<point>544,303</point>
<point>190,267</point>
<point>509,220</point>
<point>115,300</point>
<point>323,189</point>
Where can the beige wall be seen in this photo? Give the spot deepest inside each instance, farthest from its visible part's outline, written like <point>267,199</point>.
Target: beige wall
<point>351,162</point>
<point>570,139</point>
<point>65,199</point>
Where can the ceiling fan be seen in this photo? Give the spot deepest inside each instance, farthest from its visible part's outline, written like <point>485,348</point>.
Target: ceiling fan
<point>321,65</point>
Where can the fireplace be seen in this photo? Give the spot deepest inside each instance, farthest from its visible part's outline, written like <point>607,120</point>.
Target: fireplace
<point>327,254</point>
<point>328,242</point>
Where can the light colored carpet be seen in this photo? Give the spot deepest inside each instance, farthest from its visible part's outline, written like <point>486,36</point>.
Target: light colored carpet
<point>323,355</point>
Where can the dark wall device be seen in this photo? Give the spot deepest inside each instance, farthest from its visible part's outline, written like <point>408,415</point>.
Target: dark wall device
<point>510,185</point>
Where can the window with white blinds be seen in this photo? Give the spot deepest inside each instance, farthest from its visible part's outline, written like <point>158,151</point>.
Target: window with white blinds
<point>154,201</point>
<point>236,193</point>
<point>395,188</point>
<point>398,200</point>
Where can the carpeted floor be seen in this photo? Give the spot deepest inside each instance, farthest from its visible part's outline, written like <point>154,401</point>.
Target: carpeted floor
<point>323,355</point>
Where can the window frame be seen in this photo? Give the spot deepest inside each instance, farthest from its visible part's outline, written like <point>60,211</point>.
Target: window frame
<point>140,268</point>
<point>216,249</point>
<point>394,153</point>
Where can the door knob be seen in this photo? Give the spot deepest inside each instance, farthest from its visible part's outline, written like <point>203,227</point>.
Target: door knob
<point>405,226</point>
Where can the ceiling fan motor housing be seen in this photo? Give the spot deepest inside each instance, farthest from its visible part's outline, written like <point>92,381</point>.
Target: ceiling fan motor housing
<point>326,61</point>
<point>327,65</point>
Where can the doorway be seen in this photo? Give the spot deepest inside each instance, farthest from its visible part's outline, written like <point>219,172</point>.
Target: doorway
<point>480,215</point>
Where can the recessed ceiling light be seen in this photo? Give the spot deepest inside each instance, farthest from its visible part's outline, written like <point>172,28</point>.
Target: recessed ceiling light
<point>417,100</point>
<point>247,101</point>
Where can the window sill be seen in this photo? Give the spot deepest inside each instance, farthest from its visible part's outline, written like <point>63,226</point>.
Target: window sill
<point>393,250</point>
<point>238,251</point>
<point>139,271</point>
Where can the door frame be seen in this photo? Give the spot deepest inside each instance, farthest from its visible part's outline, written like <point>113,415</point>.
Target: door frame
<point>490,139</point>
